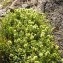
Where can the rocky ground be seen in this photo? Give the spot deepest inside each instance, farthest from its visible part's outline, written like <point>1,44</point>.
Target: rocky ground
<point>54,11</point>
<point>55,14</point>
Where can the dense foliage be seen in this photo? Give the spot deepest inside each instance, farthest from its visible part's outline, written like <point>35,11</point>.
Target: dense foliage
<point>28,38</point>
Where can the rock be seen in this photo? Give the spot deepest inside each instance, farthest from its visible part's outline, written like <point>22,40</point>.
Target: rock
<point>25,5</point>
<point>55,15</point>
<point>2,12</point>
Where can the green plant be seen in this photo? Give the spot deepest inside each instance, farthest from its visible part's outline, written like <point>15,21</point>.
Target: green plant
<point>29,37</point>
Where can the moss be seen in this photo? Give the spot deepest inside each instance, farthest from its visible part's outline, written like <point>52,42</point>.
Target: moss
<point>29,37</point>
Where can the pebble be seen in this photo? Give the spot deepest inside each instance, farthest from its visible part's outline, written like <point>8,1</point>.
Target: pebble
<point>2,12</point>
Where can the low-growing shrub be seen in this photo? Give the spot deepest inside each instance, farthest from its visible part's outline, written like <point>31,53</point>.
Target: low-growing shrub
<point>29,37</point>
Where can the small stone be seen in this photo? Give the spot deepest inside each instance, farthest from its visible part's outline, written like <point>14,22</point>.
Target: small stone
<point>24,5</point>
<point>2,12</point>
